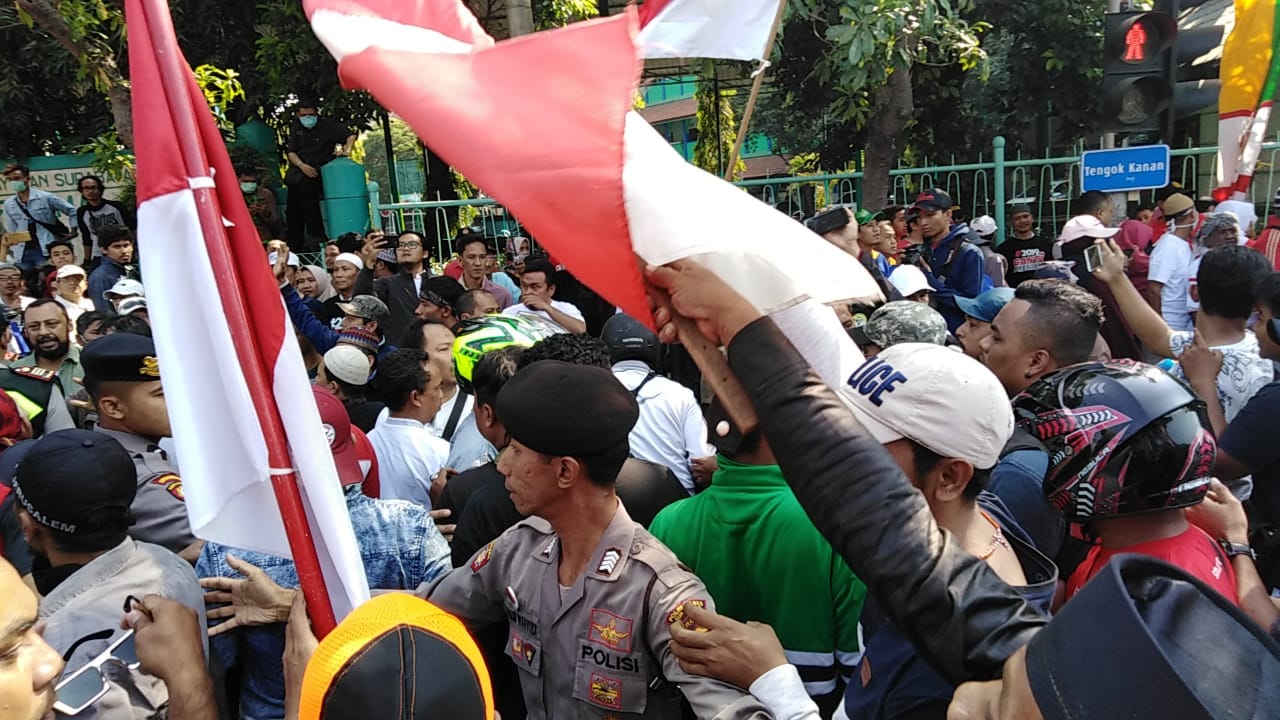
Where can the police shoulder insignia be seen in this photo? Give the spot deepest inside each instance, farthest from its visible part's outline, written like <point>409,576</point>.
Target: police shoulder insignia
<point>150,367</point>
<point>677,613</point>
<point>169,482</point>
<point>608,561</point>
<point>482,558</point>
<point>35,372</point>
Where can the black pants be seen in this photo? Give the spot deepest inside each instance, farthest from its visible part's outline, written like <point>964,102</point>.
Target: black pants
<point>306,226</point>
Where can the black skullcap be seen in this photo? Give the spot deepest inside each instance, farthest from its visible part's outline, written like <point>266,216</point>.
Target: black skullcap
<point>122,357</point>
<point>77,482</point>
<point>1145,639</point>
<point>559,409</point>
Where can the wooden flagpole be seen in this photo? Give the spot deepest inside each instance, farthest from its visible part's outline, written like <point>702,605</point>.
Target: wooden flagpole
<point>755,92</point>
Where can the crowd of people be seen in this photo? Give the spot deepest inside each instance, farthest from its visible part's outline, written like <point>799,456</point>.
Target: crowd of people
<point>1034,481</point>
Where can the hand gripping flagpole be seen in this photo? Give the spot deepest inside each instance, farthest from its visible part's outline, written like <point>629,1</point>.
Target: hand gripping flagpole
<point>177,81</point>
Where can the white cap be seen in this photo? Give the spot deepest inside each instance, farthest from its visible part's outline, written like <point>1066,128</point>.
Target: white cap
<point>909,280</point>
<point>949,403</point>
<point>67,271</point>
<point>350,258</point>
<point>1082,226</point>
<point>292,262</point>
<point>125,287</point>
<point>132,305</point>
<point>347,363</point>
<point>985,226</point>
<point>1243,211</point>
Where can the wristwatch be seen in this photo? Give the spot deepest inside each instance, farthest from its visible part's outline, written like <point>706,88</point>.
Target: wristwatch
<point>1233,549</point>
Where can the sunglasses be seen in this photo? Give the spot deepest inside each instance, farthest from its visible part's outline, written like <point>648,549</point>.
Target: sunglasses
<point>87,685</point>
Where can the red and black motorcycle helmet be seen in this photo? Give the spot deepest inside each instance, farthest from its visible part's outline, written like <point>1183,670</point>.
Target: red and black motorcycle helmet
<point>1124,438</point>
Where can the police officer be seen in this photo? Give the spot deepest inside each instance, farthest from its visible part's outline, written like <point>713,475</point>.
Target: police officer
<point>588,594</point>
<point>39,394</point>
<point>123,379</point>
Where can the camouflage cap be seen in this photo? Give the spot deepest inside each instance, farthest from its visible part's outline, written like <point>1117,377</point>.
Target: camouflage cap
<point>904,321</point>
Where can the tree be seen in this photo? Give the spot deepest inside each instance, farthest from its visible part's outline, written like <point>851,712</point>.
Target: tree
<point>405,146</point>
<point>717,128</point>
<point>92,32</point>
<point>850,64</point>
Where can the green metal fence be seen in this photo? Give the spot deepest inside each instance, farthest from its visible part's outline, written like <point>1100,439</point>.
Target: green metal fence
<point>989,186</point>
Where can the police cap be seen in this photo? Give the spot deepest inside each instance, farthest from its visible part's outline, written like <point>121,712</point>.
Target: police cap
<point>560,409</point>
<point>120,357</point>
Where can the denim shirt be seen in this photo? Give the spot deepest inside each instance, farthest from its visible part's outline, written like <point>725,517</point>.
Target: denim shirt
<point>43,206</point>
<point>401,549</point>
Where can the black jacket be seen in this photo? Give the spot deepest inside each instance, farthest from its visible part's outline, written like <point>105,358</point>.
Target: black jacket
<point>954,608</point>
<point>401,297</point>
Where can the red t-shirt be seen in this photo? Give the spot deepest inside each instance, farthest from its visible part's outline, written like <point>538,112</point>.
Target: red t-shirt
<point>368,460</point>
<point>453,270</point>
<point>1193,551</point>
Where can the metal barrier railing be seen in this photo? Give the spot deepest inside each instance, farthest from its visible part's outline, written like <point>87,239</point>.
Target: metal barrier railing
<point>1049,185</point>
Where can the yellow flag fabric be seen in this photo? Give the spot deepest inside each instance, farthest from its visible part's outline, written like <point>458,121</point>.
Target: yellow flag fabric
<point>1244,105</point>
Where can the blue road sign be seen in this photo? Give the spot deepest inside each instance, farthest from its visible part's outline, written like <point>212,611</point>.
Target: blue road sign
<point>1145,167</point>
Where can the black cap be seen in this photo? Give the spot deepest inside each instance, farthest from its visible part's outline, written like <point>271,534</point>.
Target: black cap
<point>1145,639</point>
<point>77,482</point>
<point>559,409</point>
<point>933,199</point>
<point>121,357</point>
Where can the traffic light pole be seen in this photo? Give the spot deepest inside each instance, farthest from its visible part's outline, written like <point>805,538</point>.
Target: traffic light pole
<point>1119,201</point>
<point>1109,139</point>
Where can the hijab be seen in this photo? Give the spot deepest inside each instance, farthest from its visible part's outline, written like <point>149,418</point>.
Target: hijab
<point>324,287</point>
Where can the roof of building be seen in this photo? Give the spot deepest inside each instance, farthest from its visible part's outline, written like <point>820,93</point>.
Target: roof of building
<point>1212,12</point>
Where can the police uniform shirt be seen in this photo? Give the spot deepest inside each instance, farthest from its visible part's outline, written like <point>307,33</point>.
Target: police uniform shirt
<point>600,649</point>
<point>159,509</point>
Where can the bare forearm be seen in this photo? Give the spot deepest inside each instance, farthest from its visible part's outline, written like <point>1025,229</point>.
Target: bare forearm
<point>294,160</point>
<point>1142,317</point>
<point>1254,598</point>
<point>191,696</point>
<point>568,322</point>
<point>1153,296</point>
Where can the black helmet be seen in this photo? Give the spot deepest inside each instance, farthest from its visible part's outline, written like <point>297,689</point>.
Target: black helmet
<point>629,340</point>
<point>1124,438</point>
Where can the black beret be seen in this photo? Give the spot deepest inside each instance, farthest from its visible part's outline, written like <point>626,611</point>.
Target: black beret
<point>122,357</point>
<point>1145,639</point>
<point>559,409</point>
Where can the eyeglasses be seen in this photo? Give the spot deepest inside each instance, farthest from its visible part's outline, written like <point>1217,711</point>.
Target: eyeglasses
<point>10,278</point>
<point>87,685</point>
<point>411,244</point>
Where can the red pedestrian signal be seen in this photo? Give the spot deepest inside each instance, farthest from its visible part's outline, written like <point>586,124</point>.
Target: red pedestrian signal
<point>1135,44</point>
<point>1137,88</point>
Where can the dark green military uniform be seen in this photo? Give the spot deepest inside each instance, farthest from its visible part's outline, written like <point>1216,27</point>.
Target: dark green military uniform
<point>39,395</point>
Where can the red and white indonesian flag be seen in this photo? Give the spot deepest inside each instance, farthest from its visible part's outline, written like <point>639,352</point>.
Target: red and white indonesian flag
<point>219,323</point>
<point>727,29</point>
<point>543,123</point>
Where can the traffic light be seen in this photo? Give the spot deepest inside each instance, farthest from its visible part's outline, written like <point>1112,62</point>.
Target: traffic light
<point>1138,82</point>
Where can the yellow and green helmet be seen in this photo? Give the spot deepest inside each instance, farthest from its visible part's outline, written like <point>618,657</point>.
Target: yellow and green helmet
<point>482,335</point>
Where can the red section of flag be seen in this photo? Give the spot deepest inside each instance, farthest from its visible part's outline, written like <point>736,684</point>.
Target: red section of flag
<point>650,9</point>
<point>537,122</point>
<point>447,17</point>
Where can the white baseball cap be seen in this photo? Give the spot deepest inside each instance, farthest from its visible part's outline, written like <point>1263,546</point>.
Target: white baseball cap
<point>125,287</point>
<point>949,403</point>
<point>292,261</point>
<point>1082,226</point>
<point>67,271</point>
<point>347,363</point>
<point>909,280</point>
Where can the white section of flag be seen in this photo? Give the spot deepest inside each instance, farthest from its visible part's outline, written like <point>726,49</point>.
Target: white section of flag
<point>676,210</point>
<point>726,29</point>
<point>225,474</point>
